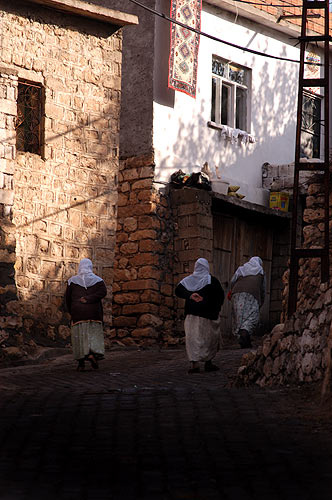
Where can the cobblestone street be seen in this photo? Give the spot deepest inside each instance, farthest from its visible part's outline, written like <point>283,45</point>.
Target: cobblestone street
<point>142,428</point>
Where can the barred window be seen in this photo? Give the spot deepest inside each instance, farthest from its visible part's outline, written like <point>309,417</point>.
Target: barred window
<point>311,125</point>
<point>29,124</point>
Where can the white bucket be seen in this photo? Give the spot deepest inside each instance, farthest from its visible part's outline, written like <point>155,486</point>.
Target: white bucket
<point>220,187</point>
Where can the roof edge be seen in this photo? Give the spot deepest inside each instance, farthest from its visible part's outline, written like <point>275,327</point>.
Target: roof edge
<point>264,18</point>
<point>81,8</point>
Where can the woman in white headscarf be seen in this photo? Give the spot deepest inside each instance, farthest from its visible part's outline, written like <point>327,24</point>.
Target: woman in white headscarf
<point>247,296</point>
<point>204,297</point>
<point>83,299</point>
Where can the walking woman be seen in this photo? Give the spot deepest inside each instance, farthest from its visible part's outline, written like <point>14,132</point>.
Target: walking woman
<point>247,296</point>
<point>204,297</point>
<point>83,299</point>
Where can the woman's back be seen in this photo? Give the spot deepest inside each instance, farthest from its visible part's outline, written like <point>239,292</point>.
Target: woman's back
<point>92,308</point>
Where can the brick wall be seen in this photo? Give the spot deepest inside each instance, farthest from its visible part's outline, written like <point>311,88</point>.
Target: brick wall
<point>63,203</point>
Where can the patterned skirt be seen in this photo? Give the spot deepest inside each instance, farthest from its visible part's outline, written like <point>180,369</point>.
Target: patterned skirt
<point>87,337</point>
<point>245,313</point>
<point>202,337</point>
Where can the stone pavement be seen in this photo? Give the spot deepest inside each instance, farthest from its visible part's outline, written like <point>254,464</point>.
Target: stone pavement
<point>142,428</point>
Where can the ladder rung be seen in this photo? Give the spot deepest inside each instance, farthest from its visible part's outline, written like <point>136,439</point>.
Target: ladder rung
<point>315,4</point>
<point>315,38</point>
<point>313,82</point>
<point>310,252</point>
<point>311,167</point>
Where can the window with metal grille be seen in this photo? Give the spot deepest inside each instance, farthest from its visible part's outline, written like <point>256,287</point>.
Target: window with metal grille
<point>311,125</point>
<point>29,123</point>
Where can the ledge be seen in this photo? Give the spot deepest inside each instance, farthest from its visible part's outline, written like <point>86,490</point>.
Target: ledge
<point>81,8</point>
<point>249,206</point>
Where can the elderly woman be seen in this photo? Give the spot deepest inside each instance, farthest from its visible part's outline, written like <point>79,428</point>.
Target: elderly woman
<point>204,297</point>
<point>247,296</point>
<point>83,299</point>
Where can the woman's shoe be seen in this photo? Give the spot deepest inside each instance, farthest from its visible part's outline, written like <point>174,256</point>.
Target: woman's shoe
<point>244,339</point>
<point>81,365</point>
<point>210,367</point>
<point>194,370</point>
<point>93,362</point>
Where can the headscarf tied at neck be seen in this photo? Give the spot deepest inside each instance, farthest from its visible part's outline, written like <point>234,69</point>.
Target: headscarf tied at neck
<point>85,276</point>
<point>250,268</point>
<point>200,277</point>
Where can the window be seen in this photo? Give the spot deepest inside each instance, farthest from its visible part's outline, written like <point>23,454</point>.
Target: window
<point>29,117</point>
<point>311,126</point>
<point>230,84</point>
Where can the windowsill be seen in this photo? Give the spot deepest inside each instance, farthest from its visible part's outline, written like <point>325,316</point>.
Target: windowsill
<point>29,154</point>
<point>311,160</point>
<point>233,134</point>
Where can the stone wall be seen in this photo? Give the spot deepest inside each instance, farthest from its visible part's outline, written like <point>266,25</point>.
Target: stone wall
<point>143,276</point>
<point>9,322</point>
<point>161,233</point>
<point>281,178</point>
<point>280,258</point>
<point>296,350</point>
<point>138,79</point>
<point>193,237</point>
<point>63,203</point>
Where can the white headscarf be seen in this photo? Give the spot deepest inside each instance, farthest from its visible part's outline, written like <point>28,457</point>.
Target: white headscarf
<point>200,277</point>
<point>85,276</point>
<point>250,268</point>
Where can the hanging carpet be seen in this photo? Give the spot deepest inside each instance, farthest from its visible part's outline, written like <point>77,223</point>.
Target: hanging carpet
<point>183,59</point>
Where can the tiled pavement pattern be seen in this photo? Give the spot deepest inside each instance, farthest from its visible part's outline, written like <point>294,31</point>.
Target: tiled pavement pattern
<point>142,428</point>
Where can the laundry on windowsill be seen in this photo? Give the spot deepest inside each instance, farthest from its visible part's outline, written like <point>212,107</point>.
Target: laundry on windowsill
<point>237,135</point>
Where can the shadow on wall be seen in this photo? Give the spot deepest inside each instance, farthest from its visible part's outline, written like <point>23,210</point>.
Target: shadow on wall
<point>65,205</point>
<point>43,266</point>
<point>59,217</point>
<point>273,115</point>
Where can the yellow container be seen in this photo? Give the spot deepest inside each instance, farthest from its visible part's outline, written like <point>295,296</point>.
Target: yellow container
<point>279,201</point>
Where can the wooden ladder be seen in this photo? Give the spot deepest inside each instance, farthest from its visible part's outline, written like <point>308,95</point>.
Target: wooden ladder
<point>323,166</point>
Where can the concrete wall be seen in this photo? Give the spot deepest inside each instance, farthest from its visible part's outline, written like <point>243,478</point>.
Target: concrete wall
<point>62,204</point>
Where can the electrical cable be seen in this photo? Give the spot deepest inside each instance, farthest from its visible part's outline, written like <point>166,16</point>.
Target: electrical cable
<point>216,39</point>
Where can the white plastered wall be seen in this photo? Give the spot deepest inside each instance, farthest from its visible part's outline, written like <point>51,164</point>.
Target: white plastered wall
<point>182,138</point>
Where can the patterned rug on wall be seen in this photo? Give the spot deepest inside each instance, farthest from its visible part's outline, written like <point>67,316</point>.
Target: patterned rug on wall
<point>183,59</point>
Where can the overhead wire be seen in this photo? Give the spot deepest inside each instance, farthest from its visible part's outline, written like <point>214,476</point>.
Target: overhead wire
<point>285,4</point>
<point>216,39</point>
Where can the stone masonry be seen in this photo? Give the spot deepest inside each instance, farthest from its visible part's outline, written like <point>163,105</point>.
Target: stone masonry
<point>161,232</point>
<point>193,237</point>
<point>299,348</point>
<point>143,275</point>
<point>60,206</point>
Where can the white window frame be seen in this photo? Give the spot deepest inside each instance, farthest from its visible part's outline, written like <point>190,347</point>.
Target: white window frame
<point>216,113</point>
